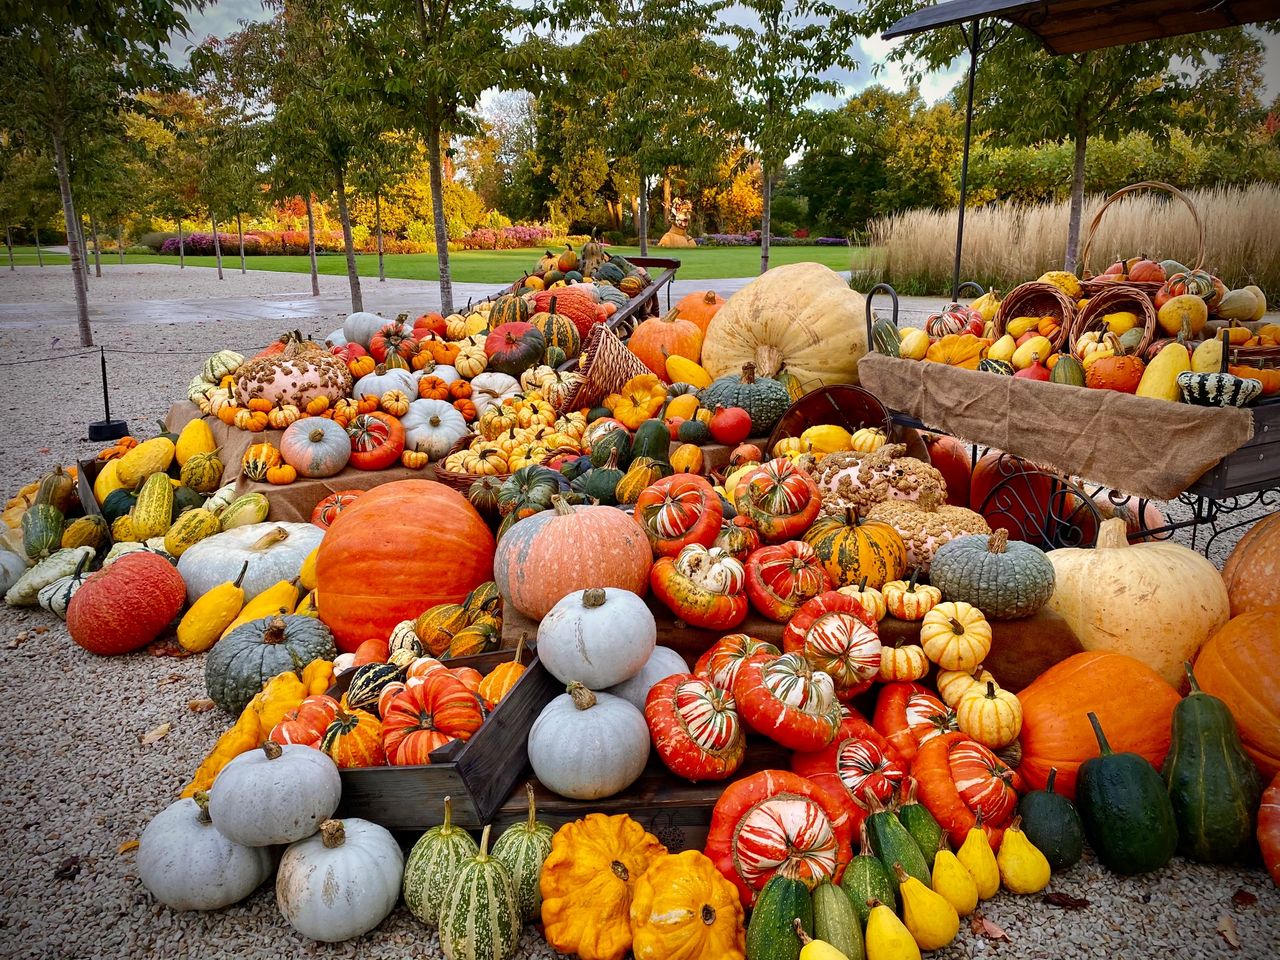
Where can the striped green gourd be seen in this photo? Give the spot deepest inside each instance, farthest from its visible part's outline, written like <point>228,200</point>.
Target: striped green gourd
<point>202,472</point>
<point>433,863</point>
<point>244,510</point>
<point>87,531</point>
<point>153,512</point>
<point>558,330</point>
<point>56,596</point>
<point>524,847</point>
<point>367,683</point>
<point>771,933</point>
<point>1067,370</point>
<point>920,823</point>
<point>999,367</point>
<point>480,920</point>
<point>189,529</point>
<point>43,522</point>
<point>885,337</point>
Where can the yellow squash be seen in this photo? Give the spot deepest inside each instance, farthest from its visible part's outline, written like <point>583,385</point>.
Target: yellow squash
<point>1020,325</point>
<point>683,406</point>
<point>683,370</point>
<point>1037,348</point>
<point>932,921</point>
<point>1120,322</point>
<point>210,615</point>
<point>976,855</point>
<point>827,438</point>
<point>886,937</point>
<point>1003,349</point>
<point>196,437</point>
<point>308,606</point>
<point>1160,379</point>
<point>278,599</point>
<point>987,305</point>
<point>1207,357</point>
<point>107,480</point>
<point>307,575</point>
<point>952,882</point>
<point>150,456</point>
<point>1023,868</point>
<point>815,949</point>
<point>914,344</point>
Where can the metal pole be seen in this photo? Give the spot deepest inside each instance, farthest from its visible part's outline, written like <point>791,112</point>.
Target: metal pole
<point>106,396</point>
<point>964,163</point>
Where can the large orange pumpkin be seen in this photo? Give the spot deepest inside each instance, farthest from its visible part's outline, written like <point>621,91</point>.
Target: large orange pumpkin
<point>1133,703</point>
<point>700,306</point>
<point>399,549</point>
<point>1241,665</point>
<point>952,459</point>
<point>1252,572</point>
<point>666,336</point>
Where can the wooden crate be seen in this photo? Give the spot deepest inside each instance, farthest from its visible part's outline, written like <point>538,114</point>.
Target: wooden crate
<point>86,473</point>
<point>1253,467</point>
<point>478,774</point>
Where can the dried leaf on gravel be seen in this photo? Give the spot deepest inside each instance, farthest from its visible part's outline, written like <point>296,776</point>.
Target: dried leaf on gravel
<point>39,630</point>
<point>200,706</point>
<point>1065,901</point>
<point>987,928</point>
<point>1243,898</point>
<point>171,678</point>
<point>127,847</point>
<point>154,734</point>
<point>1227,928</point>
<point>68,869</point>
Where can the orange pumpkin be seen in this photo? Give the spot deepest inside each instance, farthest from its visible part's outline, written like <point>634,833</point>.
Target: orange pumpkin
<point>442,351</point>
<point>427,714</point>
<point>1241,665</point>
<point>1252,572</point>
<point>958,350</point>
<point>699,307</point>
<point>460,390</point>
<point>467,408</point>
<point>1121,373</point>
<point>433,388</point>
<point>398,550</point>
<point>502,678</point>
<point>661,337</point>
<point>371,651</point>
<point>1133,703</point>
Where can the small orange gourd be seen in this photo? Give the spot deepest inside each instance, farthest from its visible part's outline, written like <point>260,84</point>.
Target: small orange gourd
<point>504,676</point>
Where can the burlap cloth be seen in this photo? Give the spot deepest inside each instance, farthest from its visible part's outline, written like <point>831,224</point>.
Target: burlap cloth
<point>1140,446</point>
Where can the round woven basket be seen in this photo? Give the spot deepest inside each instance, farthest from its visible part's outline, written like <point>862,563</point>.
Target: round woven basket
<point>843,404</point>
<point>1037,299</point>
<point>1115,298</point>
<point>1093,285</point>
<point>462,481</point>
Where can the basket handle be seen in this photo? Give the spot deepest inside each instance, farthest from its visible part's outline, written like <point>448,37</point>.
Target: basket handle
<point>1082,268</point>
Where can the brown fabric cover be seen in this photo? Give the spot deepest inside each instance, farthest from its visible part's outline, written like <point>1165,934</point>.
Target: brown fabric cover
<point>1145,447</point>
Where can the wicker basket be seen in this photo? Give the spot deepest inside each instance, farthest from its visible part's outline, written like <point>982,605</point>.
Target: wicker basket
<point>462,481</point>
<point>1116,297</point>
<point>607,364</point>
<point>1266,358</point>
<point>1037,299</point>
<point>1093,285</point>
<point>845,405</point>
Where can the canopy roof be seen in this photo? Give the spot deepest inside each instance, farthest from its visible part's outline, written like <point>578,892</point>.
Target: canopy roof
<point>1073,26</point>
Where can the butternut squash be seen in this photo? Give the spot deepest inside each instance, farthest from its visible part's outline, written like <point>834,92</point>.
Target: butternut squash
<point>1160,379</point>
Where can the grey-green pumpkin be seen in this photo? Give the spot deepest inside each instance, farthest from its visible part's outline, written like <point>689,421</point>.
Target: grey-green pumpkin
<point>1005,579</point>
<point>480,919</point>
<point>523,848</point>
<point>764,399</point>
<point>433,863</point>
<point>251,654</point>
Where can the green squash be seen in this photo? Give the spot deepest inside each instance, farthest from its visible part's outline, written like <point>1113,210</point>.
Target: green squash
<point>618,441</point>
<point>601,484</point>
<point>118,503</point>
<point>1005,579</point>
<point>508,308</point>
<point>479,918</point>
<point>680,388</point>
<point>523,848</point>
<point>433,863</point>
<point>764,399</point>
<point>367,683</point>
<point>865,878</point>
<point>771,932</point>
<point>1213,784</point>
<point>892,843</point>
<point>528,491</point>
<point>1125,808</point>
<point>694,431</point>
<point>920,823</point>
<point>885,337</point>
<point>999,367</point>
<point>652,439</point>
<point>42,525</point>
<point>609,272</point>
<point>1067,370</point>
<point>835,921</point>
<point>184,499</point>
<point>239,664</point>
<point>598,413</point>
<point>1051,823</point>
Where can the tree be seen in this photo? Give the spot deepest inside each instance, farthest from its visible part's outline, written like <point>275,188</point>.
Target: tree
<point>28,192</point>
<point>782,58</point>
<point>379,167</point>
<point>68,68</point>
<point>169,128</point>
<point>1025,94</point>
<point>498,160</point>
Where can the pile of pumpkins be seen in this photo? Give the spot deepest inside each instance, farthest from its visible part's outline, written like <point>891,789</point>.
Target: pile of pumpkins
<point>593,265</point>
<point>1188,364</point>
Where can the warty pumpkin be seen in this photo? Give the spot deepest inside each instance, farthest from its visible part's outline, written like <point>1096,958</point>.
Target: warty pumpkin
<point>684,909</point>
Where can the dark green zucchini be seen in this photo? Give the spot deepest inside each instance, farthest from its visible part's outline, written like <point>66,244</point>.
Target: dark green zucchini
<point>892,842</point>
<point>1053,825</point>
<point>771,933</point>
<point>924,829</point>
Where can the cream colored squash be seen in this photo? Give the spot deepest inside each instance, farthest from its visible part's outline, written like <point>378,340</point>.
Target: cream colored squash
<point>1156,602</point>
<point>801,318</point>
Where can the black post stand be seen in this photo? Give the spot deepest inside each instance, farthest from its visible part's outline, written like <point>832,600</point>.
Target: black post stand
<point>100,431</point>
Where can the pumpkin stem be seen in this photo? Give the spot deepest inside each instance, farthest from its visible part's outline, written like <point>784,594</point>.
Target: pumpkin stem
<point>446,827</point>
<point>796,925</point>
<point>862,585</point>
<point>1053,775</point>
<point>593,598</point>
<point>562,507</point>
<point>872,902</point>
<point>899,873</point>
<point>272,750</point>
<point>864,840</point>
<point>524,635</point>
<point>275,630</point>
<point>244,568</point>
<point>998,541</point>
<point>709,298</point>
<point>1225,336</point>
<point>316,435</point>
<point>708,914</point>
<point>270,539</point>
<point>333,833</point>
<point>484,843</point>
<point>748,372</point>
<point>533,814</point>
<point>1191,677</point>
<point>201,798</point>
<point>583,698</point>
<point>911,584</point>
<point>956,626</point>
<point>1103,746</point>
<point>620,870</point>
<point>1017,822</point>
<point>991,690</point>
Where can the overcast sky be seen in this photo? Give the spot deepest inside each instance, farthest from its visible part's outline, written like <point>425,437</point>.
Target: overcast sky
<point>223,16</point>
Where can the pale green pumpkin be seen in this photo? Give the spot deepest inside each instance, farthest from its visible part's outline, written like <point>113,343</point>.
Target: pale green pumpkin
<point>1005,579</point>
<point>523,847</point>
<point>480,919</point>
<point>433,864</point>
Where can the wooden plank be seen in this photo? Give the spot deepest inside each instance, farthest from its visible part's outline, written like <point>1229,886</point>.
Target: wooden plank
<point>86,473</point>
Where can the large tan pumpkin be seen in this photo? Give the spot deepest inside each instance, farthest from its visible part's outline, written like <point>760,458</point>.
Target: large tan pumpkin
<point>801,318</point>
<point>1155,602</point>
<point>1241,664</point>
<point>1252,572</point>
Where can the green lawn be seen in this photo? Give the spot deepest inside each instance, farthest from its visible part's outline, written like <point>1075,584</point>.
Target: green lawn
<point>503,266</point>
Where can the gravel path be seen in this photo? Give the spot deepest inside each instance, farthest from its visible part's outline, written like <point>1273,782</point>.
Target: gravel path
<point>77,787</point>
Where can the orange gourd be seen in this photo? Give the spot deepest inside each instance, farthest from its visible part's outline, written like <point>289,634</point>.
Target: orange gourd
<point>699,307</point>
<point>460,390</point>
<point>669,335</point>
<point>1121,373</point>
<point>1241,665</point>
<point>281,474</point>
<point>442,351</point>
<point>467,408</point>
<point>371,651</point>
<point>958,350</point>
<point>504,676</point>
<point>354,739</point>
<point>1252,572</point>
<point>433,388</point>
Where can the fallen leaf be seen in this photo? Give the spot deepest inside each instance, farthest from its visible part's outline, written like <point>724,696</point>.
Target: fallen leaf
<point>975,922</point>
<point>200,706</point>
<point>151,736</point>
<point>1227,927</point>
<point>1243,898</point>
<point>68,869</point>
<point>127,846</point>
<point>171,678</point>
<point>993,931</point>
<point>39,630</point>
<point>1065,901</point>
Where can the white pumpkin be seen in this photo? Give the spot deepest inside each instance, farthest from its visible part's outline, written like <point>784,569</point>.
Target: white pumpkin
<point>337,339</point>
<point>662,663</point>
<point>342,882</point>
<point>278,794</point>
<point>490,388</point>
<point>588,745</point>
<point>598,637</point>
<point>441,371</point>
<point>125,547</point>
<point>274,552</point>
<point>361,326</point>
<point>188,864</point>
<point>433,427</point>
<point>12,566</point>
<point>377,383</point>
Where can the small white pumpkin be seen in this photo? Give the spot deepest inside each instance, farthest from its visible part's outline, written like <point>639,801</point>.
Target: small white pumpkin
<point>360,327</point>
<point>377,383</point>
<point>491,388</point>
<point>12,566</point>
<point>441,371</point>
<point>598,637</point>
<point>188,864</point>
<point>336,339</point>
<point>342,882</point>
<point>433,427</point>
<point>588,745</point>
<point>55,596</point>
<point>274,552</point>
<point>278,794</point>
<point>662,663</point>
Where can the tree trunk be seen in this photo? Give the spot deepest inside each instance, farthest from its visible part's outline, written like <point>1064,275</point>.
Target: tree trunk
<point>437,217</point>
<point>240,231</point>
<point>97,247</point>
<point>8,244</point>
<point>377,222</point>
<point>1077,196</point>
<point>311,247</point>
<point>35,232</point>
<point>642,223</point>
<point>73,241</point>
<point>84,248</point>
<point>182,250</point>
<point>120,242</point>
<point>217,244</point>
<point>353,277</point>
<point>765,227</point>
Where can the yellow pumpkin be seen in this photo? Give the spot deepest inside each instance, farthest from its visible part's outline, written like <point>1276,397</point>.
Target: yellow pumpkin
<point>913,344</point>
<point>687,458</point>
<point>683,908</point>
<point>1187,310</point>
<point>955,635</point>
<point>683,406</point>
<point>587,884</point>
<point>639,400</point>
<point>826,438</point>
<point>958,350</point>
<point>990,715</point>
<point>867,440</point>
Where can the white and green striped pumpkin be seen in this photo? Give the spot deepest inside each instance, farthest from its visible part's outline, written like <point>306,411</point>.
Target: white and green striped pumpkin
<point>480,920</point>
<point>1005,579</point>
<point>523,848</point>
<point>55,596</point>
<point>433,863</point>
